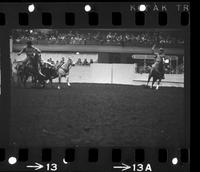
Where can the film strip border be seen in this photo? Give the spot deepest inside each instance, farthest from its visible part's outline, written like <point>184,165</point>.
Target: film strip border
<point>93,18</point>
<point>92,154</point>
<point>73,16</point>
<point>95,15</point>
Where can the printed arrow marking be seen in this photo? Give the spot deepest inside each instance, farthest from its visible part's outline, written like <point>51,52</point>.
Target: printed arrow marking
<point>37,166</point>
<point>123,167</point>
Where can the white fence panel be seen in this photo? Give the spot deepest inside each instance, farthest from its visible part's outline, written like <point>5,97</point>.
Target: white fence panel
<point>101,73</point>
<point>122,73</point>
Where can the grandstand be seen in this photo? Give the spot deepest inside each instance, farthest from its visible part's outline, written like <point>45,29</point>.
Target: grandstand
<point>100,37</point>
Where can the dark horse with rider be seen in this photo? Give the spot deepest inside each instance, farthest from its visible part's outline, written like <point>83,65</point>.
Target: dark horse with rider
<point>34,67</point>
<point>158,68</point>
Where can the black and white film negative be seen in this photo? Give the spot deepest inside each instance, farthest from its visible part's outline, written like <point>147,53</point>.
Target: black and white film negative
<point>95,86</point>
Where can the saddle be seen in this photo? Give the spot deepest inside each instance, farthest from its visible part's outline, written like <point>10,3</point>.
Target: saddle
<point>65,70</point>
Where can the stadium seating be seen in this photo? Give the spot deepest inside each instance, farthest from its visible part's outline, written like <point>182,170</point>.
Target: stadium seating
<point>95,37</point>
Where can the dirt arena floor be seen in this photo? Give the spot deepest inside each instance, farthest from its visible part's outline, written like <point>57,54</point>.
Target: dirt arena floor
<point>97,115</point>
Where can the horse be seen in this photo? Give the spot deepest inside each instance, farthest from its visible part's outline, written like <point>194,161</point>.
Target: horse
<point>30,69</point>
<point>63,71</point>
<point>22,71</point>
<point>16,71</point>
<point>50,71</point>
<point>157,74</point>
<point>56,71</point>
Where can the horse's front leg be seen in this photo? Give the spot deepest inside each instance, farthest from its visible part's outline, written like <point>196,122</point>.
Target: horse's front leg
<point>67,79</point>
<point>154,80</point>
<point>19,80</point>
<point>148,79</point>
<point>158,84</point>
<point>34,78</point>
<point>50,81</point>
<point>59,81</point>
<point>25,80</point>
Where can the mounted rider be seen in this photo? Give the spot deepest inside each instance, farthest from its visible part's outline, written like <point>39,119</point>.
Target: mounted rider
<point>159,59</point>
<point>59,64</point>
<point>31,53</point>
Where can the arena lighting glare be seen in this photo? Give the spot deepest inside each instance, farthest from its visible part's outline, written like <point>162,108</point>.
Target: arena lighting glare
<point>77,53</point>
<point>87,8</point>
<point>142,7</point>
<point>31,8</point>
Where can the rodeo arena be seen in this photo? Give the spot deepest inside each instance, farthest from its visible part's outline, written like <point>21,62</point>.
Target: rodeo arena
<point>89,87</point>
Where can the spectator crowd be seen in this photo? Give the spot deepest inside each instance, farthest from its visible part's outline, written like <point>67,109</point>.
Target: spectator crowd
<point>100,37</point>
<point>79,62</point>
